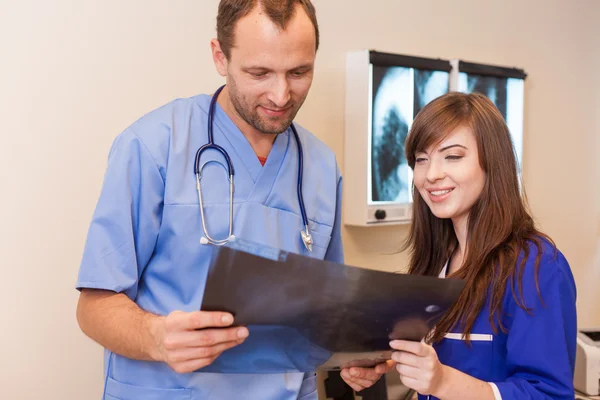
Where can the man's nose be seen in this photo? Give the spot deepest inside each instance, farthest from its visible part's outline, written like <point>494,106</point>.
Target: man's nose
<point>280,93</point>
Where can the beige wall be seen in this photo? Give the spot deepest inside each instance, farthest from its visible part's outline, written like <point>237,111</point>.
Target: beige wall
<point>73,74</point>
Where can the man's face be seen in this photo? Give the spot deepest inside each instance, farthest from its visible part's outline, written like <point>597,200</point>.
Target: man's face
<point>270,71</point>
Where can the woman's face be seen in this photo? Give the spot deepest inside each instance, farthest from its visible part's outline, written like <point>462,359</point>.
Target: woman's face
<point>448,175</point>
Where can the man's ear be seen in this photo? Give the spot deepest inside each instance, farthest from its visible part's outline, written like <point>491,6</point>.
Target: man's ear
<point>219,57</point>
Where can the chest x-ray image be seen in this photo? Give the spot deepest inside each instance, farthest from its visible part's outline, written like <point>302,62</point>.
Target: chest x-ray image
<point>399,93</point>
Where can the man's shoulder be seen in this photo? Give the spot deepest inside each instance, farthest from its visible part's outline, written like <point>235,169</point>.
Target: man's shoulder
<point>165,114</point>
<point>155,129</point>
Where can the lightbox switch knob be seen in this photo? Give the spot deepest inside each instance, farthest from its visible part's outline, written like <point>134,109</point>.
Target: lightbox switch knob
<point>380,214</point>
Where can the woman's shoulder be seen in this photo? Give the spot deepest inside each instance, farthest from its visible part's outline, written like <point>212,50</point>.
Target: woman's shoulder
<point>543,251</point>
<point>542,269</point>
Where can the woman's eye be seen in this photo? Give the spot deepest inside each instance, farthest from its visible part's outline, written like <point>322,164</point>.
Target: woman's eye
<point>420,160</point>
<point>453,157</point>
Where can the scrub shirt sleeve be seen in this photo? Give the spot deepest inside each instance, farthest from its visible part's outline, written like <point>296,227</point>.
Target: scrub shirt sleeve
<point>335,251</point>
<point>125,224</point>
<point>308,389</point>
<point>541,346</point>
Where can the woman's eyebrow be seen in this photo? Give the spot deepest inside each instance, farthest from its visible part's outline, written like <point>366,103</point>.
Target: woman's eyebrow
<point>451,146</point>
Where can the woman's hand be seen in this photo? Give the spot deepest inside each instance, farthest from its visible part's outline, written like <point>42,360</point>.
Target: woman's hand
<point>418,366</point>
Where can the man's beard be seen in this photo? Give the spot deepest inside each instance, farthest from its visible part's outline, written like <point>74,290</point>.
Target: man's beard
<point>251,116</point>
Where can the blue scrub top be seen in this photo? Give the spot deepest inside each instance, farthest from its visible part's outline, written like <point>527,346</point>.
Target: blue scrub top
<point>144,240</point>
<point>535,359</point>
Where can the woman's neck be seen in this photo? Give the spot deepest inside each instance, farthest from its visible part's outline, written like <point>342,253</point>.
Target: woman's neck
<point>460,230</point>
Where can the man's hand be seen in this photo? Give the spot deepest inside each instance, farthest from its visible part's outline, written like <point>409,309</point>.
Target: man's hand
<point>188,341</point>
<point>361,378</point>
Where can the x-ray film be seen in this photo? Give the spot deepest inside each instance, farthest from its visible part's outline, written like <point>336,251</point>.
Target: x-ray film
<point>505,87</point>
<point>320,314</point>
<point>399,93</point>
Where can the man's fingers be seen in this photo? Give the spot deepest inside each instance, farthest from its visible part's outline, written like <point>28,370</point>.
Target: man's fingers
<point>355,386</point>
<point>353,382</point>
<point>363,383</point>
<point>360,378</point>
<point>204,338</point>
<point>385,367</point>
<point>363,373</point>
<point>195,353</point>
<point>179,320</point>
<point>192,365</point>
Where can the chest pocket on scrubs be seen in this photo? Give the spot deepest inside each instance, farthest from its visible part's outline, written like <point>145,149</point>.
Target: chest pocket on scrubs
<point>475,359</point>
<point>277,228</point>
<point>120,391</point>
<point>320,244</point>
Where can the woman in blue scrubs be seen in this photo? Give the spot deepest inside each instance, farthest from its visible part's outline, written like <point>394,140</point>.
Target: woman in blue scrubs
<point>145,265</point>
<point>512,332</point>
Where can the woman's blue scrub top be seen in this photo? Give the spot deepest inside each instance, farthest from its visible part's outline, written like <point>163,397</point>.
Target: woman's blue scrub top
<point>535,359</point>
<point>144,240</point>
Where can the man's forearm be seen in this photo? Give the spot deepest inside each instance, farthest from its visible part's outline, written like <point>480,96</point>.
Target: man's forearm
<point>118,324</point>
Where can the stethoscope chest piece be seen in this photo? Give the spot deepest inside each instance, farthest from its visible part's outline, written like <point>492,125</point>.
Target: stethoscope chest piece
<point>204,240</point>
<point>307,239</point>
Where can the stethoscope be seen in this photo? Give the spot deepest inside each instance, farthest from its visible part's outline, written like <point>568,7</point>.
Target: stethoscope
<point>207,239</point>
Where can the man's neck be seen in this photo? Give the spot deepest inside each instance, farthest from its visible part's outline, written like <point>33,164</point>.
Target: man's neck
<point>261,143</point>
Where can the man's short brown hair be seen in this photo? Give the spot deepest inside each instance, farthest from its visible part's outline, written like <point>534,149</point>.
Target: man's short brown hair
<point>278,11</point>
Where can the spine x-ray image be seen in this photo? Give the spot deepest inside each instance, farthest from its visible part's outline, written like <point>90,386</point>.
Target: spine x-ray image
<point>493,87</point>
<point>507,94</point>
<point>399,93</point>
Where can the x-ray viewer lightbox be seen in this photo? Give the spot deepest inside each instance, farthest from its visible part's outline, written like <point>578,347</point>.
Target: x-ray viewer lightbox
<point>384,92</point>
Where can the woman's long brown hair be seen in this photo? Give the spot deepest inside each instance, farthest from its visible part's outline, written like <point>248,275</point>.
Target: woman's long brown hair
<point>500,228</point>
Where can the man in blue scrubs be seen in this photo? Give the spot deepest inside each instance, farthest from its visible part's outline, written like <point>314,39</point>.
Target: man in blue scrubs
<point>144,269</point>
